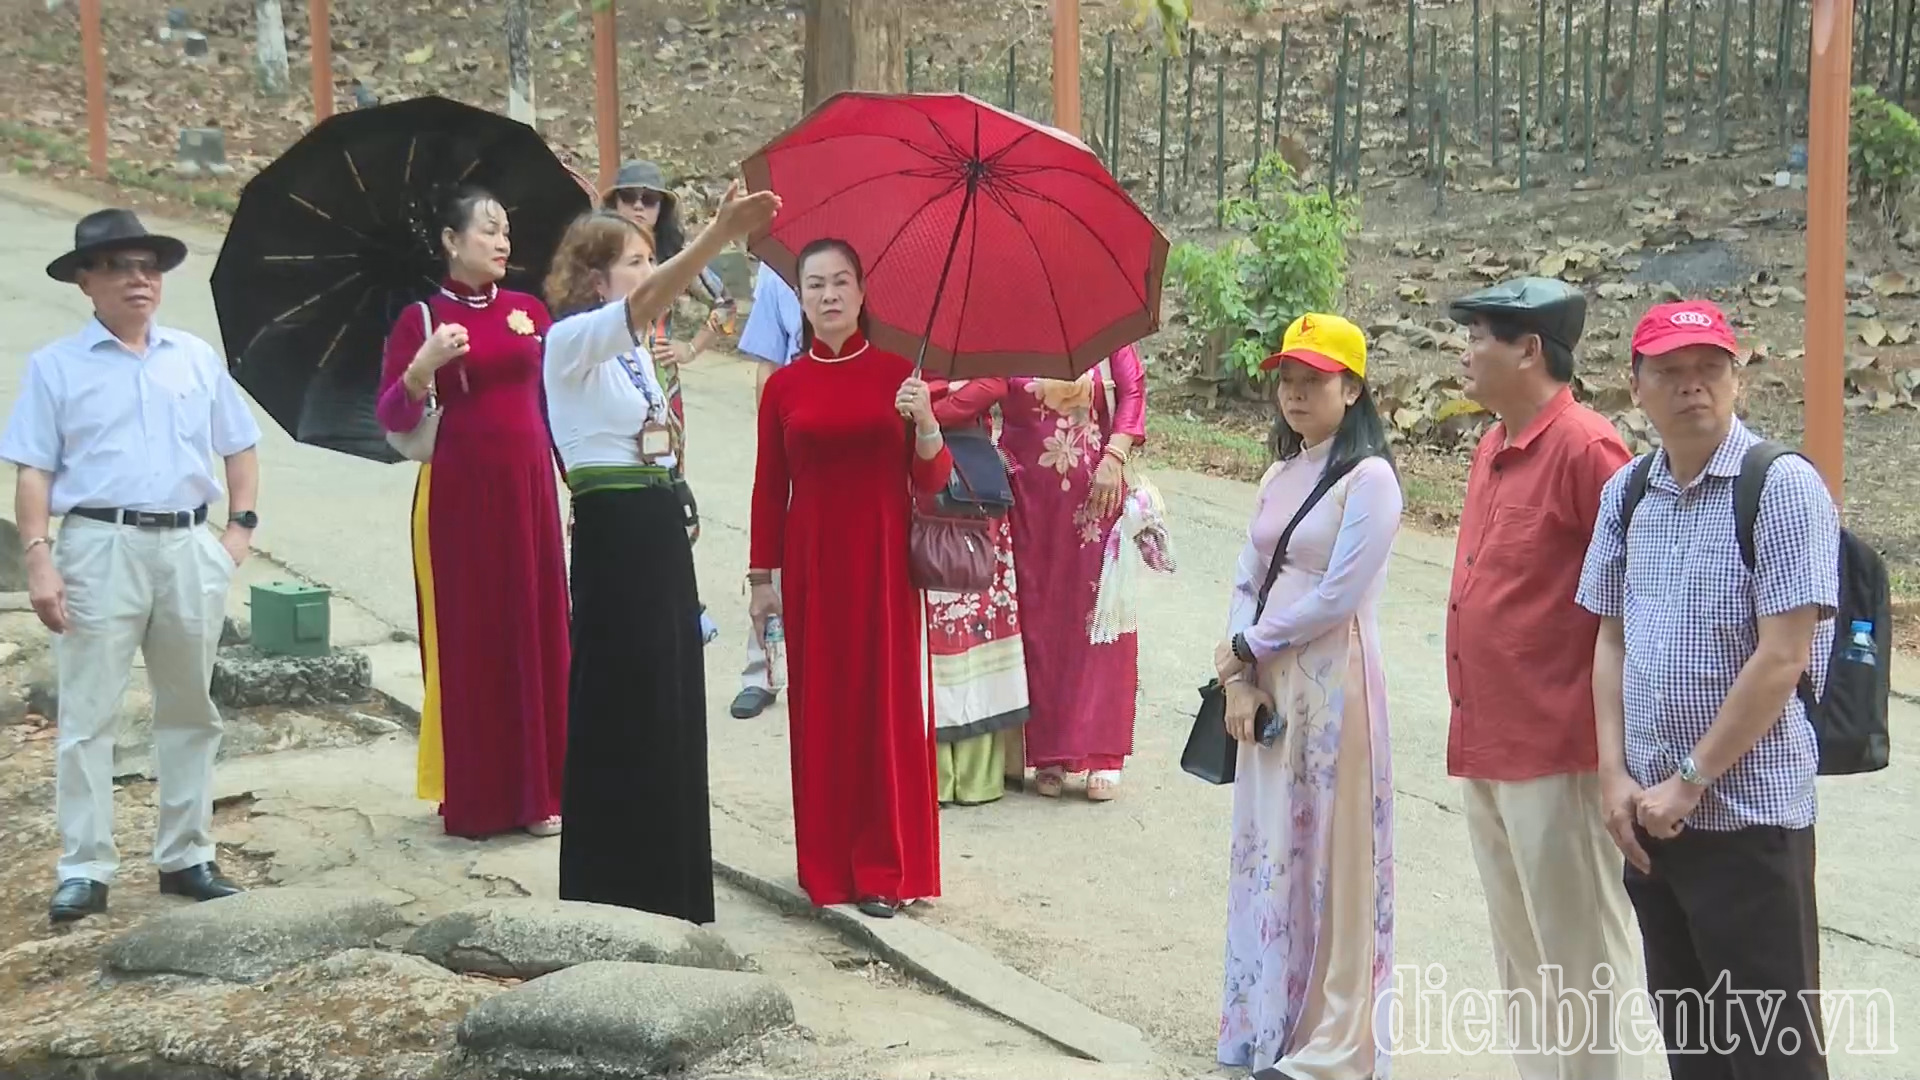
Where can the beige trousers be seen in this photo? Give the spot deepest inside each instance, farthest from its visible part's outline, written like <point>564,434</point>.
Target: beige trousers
<point>1555,899</point>
<point>164,592</point>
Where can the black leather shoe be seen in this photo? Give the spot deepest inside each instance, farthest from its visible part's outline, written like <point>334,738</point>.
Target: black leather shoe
<point>77,898</point>
<point>751,702</point>
<point>876,908</point>
<point>201,882</point>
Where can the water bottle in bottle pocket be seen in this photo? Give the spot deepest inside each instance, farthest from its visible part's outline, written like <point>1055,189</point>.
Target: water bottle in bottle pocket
<point>773,641</point>
<point>1860,644</point>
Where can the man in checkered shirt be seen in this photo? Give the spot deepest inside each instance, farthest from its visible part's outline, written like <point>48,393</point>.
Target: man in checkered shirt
<point>1707,757</point>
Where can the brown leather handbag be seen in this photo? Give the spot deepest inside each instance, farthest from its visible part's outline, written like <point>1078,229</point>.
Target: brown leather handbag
<point>950,554</point>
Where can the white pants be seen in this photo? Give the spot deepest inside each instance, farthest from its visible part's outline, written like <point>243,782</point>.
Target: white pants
<point>1555,897</point>
<point>754,676</point>
<point>163,591</point>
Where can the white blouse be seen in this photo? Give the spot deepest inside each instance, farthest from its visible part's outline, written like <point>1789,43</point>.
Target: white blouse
<point>601,388</point>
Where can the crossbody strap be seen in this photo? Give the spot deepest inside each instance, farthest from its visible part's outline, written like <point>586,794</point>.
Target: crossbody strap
<point>426,321</point>
<point>1329,478</point>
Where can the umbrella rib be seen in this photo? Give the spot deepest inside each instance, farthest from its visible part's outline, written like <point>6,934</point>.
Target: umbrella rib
<point>1091,231</point>
<point>1053,291</point>
<point>1009,148</point>
<point>302,305</point>
<point>901,231</point>
<point>365,195</point>
<point>824,203</point>
<point>331,220</point>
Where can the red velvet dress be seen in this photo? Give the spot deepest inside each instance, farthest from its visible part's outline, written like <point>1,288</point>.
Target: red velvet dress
<point>489,567</point>
<point>830,509</point>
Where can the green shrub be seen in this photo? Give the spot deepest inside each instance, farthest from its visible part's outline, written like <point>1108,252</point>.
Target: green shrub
<point>1291,260</point>
<point>1885,153</point>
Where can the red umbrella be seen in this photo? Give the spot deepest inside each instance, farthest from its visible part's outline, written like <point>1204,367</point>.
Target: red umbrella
<point>992,245</point>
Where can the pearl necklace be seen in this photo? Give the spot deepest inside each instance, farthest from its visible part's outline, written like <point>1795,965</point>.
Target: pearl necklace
<point>477,303</point>
<point>838,359</point>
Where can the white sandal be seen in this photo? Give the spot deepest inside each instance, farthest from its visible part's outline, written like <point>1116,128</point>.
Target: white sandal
<point>548,827</point>
<point>1103,785</point>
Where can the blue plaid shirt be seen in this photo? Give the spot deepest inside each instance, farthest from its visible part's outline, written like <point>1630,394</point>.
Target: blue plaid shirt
<point>1691,611</point>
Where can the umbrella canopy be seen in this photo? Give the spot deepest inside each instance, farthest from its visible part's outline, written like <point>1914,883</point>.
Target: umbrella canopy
<point>333,240</point>
<point>996,245</point>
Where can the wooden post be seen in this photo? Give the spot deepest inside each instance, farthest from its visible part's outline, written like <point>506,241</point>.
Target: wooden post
<point>606,91</point>
<point>1826,343</point>
<point>1066,66</point>
<point>93,58</point>
<point>320,45</point>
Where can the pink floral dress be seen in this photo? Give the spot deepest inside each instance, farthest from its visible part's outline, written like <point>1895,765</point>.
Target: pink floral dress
<point>1082,696</point>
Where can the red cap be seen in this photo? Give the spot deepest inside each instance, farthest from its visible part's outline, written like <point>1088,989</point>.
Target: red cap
<point>1667,327</point>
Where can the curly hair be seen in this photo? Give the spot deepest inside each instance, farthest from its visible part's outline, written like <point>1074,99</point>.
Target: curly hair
<point>594,242</point>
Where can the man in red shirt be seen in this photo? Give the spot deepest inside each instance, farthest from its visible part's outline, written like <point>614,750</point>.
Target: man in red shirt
<point>1520,676</point>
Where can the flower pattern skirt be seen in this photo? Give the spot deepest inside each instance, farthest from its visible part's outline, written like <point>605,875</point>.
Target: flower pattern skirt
<point>1310,892</point>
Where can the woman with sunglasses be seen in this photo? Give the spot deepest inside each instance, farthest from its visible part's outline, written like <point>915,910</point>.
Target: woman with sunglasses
<point>639,194</point>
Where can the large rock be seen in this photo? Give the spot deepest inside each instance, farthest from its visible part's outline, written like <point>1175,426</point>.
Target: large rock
<point>244,678</point>
<point>248,937</point>
<point>525,939</point>
<point>624,1021</point>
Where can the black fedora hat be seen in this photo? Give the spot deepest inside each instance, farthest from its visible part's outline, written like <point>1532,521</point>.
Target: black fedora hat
<point>113,230</point>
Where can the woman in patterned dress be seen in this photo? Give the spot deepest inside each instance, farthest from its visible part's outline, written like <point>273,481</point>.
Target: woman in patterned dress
<point>973,639</point>
<point>1068,444</point>
<point>1310,881</point>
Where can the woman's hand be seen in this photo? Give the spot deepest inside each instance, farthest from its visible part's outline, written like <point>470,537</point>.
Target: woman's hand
<point>676,353</point>
<point>1109,482</point>
<point>447,343</point>
<point>741,215</point>
<point>1244,701</point>
<point>1225,663</point>
<point>762,602</point>
<point>915,403</point>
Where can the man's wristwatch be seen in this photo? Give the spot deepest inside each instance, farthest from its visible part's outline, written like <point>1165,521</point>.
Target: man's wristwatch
<point>1690,772</point>
<point>246,519</point>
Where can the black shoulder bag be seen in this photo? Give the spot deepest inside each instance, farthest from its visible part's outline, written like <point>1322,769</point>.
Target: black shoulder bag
<point>1211,753</point>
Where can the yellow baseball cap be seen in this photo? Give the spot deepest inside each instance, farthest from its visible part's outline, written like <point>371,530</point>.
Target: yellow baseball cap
<point>1324,342</point>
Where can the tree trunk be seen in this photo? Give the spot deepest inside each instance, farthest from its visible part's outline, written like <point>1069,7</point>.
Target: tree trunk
<point>270,48</point>
<point>853,45</point>
<point>519,63</point>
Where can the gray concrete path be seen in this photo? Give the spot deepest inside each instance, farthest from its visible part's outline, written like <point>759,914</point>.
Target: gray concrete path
<point>1118,906</point>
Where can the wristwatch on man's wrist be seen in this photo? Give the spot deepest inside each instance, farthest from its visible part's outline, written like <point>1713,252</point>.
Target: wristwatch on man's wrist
<point>1690,772</point>
<point>246,519</point>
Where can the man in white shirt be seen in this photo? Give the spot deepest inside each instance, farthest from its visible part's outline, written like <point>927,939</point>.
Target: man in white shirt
<point>771,336</point>
<point>115,432</point>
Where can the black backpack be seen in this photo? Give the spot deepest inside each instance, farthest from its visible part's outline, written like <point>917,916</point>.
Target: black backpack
<point>1851,721</point>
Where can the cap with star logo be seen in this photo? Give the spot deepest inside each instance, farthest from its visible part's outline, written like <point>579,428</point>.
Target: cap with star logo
<point>1324,342</point>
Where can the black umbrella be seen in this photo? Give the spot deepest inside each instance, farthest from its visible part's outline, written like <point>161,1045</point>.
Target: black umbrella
<point>333,240</point>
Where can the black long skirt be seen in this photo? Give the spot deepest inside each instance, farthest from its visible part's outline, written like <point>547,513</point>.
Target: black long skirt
<point>636,831</point>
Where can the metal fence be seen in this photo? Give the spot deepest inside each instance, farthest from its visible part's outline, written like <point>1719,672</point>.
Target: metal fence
<point>1506,96</point>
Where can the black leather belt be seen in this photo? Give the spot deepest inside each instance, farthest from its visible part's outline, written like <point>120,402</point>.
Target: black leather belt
<point>144,519</point>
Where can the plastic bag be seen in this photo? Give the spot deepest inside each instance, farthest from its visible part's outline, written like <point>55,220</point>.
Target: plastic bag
<point>1137,541</point>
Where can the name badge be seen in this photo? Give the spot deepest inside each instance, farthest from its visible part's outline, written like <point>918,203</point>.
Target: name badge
<point>655,442</point>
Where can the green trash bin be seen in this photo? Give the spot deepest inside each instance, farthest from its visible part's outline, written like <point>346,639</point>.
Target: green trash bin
<point>291,619</point>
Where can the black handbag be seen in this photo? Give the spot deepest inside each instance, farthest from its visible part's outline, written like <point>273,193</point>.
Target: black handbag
<point>1211,753</point>
<point>979,486</point>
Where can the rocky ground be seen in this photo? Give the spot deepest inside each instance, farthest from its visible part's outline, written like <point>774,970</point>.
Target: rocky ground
<point>370,945</point>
